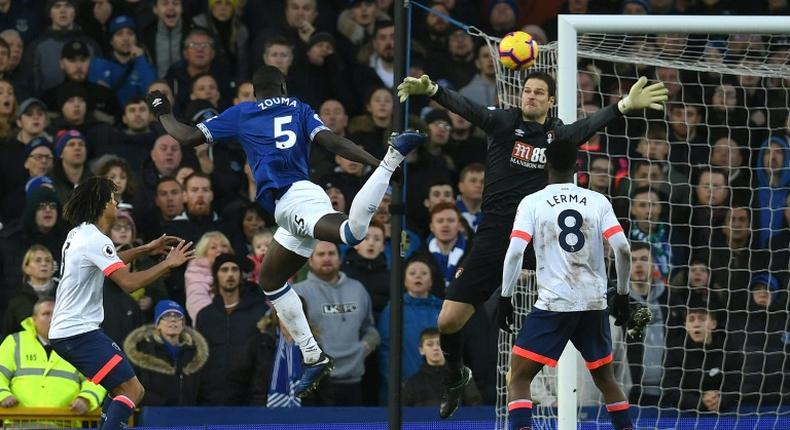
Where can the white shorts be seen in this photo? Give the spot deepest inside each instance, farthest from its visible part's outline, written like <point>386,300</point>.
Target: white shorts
<point>297,213</point>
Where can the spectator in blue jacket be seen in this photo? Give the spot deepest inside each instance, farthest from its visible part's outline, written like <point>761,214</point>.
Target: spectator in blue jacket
<point>420,311</point>
<point>126,71</point>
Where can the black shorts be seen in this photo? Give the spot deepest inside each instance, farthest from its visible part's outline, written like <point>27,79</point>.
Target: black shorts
<point>97,357</point>
<point>544,334</point>
<point>480,273</point>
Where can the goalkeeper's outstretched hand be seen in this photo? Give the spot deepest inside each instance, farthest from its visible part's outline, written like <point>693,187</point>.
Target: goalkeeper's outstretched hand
<point>641,96</point>
<point>416,87</point>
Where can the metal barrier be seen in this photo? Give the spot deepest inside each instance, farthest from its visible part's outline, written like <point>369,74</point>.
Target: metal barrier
<point>46,418</point>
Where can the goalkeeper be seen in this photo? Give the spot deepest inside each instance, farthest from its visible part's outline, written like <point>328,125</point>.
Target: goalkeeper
<point>517,143</point>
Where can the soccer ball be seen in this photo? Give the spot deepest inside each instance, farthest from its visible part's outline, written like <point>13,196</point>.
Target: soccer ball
<point>518,50</point>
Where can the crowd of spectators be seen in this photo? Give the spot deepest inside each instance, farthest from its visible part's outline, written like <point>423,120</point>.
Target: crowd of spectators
<point>704,192</point>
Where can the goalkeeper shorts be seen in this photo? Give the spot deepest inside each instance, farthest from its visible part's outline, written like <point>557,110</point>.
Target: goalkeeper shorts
<point>544,334</point>
<point>480,273</point>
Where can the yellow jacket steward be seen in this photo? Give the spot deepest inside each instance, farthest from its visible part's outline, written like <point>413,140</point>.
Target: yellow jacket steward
<point>38,381</point>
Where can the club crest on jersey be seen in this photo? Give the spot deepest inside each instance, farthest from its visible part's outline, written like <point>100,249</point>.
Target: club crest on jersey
<point>519,132</point>
<point>550,136</point>
<point>108,251</point>
<point>527,155</point>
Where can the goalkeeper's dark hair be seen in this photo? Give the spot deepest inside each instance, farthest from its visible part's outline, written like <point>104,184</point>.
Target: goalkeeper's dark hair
<point>268,81</point>
<point>545,77</point>
<point>87,202</point>
<point>562,155</point>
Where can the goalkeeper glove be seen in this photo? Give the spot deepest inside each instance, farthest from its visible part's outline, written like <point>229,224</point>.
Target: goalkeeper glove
<point>640,96</point>
<point>504,314</point>
<point>621,309</point>
<point>158,102</point>
<point>639,322</point>
<point>416,87</point>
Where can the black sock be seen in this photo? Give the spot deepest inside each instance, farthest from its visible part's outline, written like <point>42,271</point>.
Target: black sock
<point>453,348</point>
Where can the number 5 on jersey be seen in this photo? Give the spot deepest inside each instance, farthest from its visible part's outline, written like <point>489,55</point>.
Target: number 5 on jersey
<point>290,136</point>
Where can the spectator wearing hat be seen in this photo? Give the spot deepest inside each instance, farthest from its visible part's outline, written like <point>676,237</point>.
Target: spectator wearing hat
<point>42,56</point>
<point>222,20</point>
<point>69,170</point>
<point>227,323</point>
<point>126,71</point>
<point>40,223</point>
<point>75,111</point>
<point>162,38</point>
<point>168,357</point>
<point>199,55</point>
<point>31,119</point>
<point>39,157</point>
<point>320,75</point>
<point>75,63</point>
<point>502,17</point>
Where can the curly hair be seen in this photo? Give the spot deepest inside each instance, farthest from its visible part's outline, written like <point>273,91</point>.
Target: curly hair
<point>88,201</point>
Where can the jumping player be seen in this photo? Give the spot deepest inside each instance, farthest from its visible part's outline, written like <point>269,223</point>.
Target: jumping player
<point>88,257</point>
<point>517,144</point>
<point>567,225</point>
<point>276,131</point>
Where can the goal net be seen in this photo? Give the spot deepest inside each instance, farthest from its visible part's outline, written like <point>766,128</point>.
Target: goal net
<point>706,184</point>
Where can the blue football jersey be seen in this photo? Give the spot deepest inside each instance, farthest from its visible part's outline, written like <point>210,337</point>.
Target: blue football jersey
<point>276,134</point>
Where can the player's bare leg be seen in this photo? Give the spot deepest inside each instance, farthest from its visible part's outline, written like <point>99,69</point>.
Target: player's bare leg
<point>278,265</point>
<point>452,318</point>
<point>125,397</point>
<point>616,402</point>
<point>519,398</point>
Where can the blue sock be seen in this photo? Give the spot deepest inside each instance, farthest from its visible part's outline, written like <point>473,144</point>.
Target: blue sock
<point>118,413</point>
<point>520,414</point>
<point>104,406</point>
<point>618,412</point>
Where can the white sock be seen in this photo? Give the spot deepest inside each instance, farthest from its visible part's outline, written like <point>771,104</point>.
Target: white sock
<point>365,204</point>
<point>392,159</point>
<point>289,310</point>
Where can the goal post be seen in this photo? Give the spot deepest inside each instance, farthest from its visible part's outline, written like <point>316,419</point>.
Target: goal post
<point>609,38</point>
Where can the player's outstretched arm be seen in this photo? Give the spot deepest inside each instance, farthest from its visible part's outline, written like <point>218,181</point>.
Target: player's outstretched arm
<point>345,148</point>
<point>132,281</point>
<point>479,115</point>
<point>185,134</point>
<point>158,246</point>
<point>639,97</point>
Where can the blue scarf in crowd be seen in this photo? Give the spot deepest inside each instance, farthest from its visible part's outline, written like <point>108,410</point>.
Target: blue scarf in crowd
<point>286,372</point>
<point>473,218</point>
<point>447,264</point>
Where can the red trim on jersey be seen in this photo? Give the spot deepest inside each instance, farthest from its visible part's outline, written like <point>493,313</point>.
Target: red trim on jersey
<point>619,406</point>
<point>125,400</point>
<point>108,366</point>
<point>592,365</point>
<point>521,352</point>
<point>113,267</point>
<point>519,404</point>
<point>611,231</point>
<point>521,234</point>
